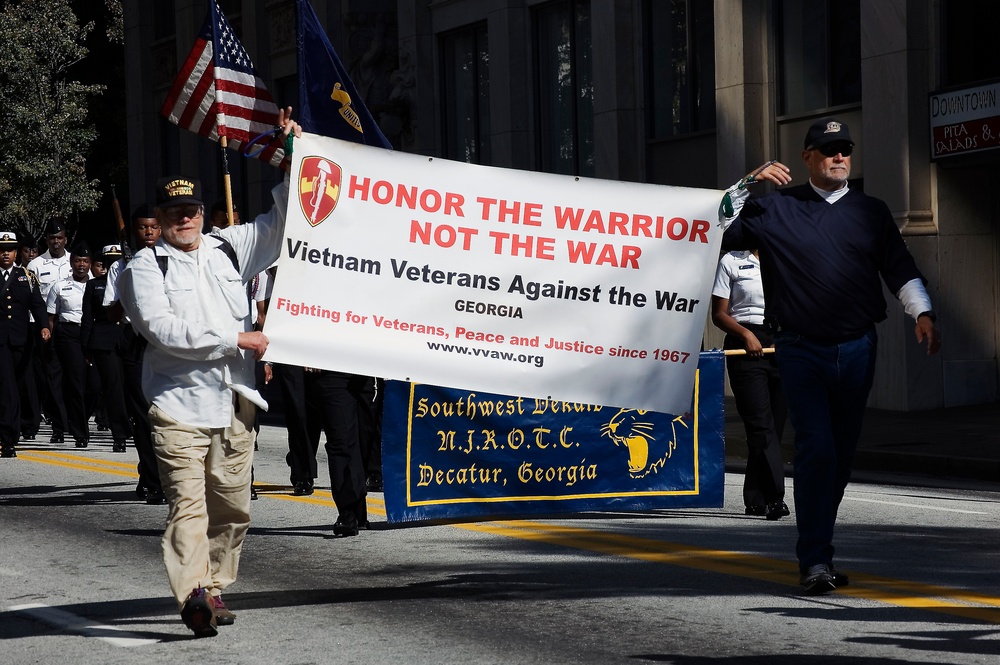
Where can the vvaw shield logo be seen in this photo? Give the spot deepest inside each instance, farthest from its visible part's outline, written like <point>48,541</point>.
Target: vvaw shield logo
<point>319,188</point>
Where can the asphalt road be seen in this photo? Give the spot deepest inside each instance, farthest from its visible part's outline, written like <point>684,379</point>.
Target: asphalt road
<point>82,581</point>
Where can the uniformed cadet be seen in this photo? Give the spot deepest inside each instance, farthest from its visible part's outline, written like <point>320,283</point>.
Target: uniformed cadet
<point>50,267</point>
<point>97,269</point>
<point>27,250</point>
<point>65,307</point>
<point>316,401</point>
<point>99,337</point>
<point>219,216</point>
<point>31,409</point>
<point>19,297</point>
<point>334,398</point>
<point>145,233</point>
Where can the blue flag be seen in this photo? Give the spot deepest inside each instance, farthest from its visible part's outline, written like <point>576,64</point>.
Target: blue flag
<point>330,104</point>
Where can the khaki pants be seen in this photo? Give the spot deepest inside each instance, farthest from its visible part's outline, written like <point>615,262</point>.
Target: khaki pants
<point>205,474</point>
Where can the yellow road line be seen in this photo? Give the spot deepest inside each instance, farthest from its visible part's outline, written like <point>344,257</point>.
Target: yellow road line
<point>79,462</point>
<point>890,591</point>
<point>871,587</point>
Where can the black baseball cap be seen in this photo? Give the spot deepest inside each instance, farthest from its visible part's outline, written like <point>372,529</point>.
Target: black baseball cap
<point>55,226</point>
<point>826,130</point>
<point>178,190</point>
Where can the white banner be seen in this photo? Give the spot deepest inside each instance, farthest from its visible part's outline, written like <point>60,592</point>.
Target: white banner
<point>481,278</point>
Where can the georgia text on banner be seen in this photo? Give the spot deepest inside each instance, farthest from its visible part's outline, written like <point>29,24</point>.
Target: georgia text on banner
<point>513,282</point>
<point>450,454</point>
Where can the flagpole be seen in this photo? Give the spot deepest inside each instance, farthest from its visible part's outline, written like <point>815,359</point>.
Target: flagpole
<point>227,183</point>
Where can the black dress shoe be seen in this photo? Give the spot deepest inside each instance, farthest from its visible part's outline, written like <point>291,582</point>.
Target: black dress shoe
<point>118,446</point>
<point>155,497</point>
<point>8,451</point>
<point>57,437</point>
<point>838,578</point>
<point>141,492</point>
<point>817,580</point>
<point>82,443</point>
<point>28,437</point>
<point>374,482</point>
<point>776,510</point>
<point>302,488</point>
<point>346,525</point>
<point>756,511</point>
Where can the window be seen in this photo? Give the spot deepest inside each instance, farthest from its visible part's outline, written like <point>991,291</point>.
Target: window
<point>819,54</point>
<point>565,88</point>
<point>164,24</point>
<point>680,68</point>
<point>969,50</point>
<point>465,61</point>
<point>230,7</point>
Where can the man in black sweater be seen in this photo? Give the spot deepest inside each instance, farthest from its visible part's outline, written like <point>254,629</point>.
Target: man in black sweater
<point>825,250</point>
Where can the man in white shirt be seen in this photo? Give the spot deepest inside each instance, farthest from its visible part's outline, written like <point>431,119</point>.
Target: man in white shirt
<point>145,233</point>
<point>65,308</point>
<point>50,267</point>
<point>186,297</point>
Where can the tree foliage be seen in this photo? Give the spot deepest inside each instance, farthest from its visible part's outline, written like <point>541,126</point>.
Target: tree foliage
<point>44,114</point>
<point>116,21</point>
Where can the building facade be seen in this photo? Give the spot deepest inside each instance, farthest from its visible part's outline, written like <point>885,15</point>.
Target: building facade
<point>681,92</point>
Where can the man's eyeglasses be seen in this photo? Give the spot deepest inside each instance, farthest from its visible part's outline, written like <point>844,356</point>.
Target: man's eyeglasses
<point>836,148</point>
<point>177,213</point>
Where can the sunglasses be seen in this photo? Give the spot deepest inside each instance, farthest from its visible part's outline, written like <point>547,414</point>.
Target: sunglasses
<point>177,213</point>
<point>836,148</point>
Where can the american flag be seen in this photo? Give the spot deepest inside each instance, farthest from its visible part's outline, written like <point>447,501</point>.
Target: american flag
<point>218,93</point>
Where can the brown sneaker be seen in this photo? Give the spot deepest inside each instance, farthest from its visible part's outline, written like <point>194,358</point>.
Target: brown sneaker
<point>223,616</point>
<point>198,614</point>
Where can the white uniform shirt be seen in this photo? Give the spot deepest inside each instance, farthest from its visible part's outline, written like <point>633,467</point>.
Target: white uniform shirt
<point>65,300</point>
<point>192,317</point>
<point>111,291</point>
<point>738,280</point>
<point>49,270</point>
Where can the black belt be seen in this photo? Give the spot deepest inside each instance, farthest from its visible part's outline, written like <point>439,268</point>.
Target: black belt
<point>839,339</point>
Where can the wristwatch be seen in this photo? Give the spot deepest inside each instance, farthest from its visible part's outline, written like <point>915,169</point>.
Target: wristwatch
<point>929,314</point>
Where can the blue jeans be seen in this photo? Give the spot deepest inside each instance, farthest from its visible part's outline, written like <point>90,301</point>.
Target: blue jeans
<point>826,386</point>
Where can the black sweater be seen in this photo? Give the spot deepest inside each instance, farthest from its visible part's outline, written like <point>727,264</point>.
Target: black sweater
<point>821,262</point>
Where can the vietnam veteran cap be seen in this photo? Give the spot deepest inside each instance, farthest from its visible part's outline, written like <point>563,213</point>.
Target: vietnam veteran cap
<point>178,190</point>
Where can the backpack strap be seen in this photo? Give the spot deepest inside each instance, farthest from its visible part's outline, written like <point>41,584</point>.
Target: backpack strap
<point>224,246</point>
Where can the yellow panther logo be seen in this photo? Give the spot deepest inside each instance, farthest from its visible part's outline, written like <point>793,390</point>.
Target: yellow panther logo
<point>627,428</point>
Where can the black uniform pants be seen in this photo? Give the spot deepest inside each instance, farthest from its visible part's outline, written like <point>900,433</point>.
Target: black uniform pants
<point>109,368</point>
<point>370,424</point>
<point>31,411</point>
<point>75,380</point>
<point>332,398</point>
<point>48,378</point>
<point>138,412</point>
<point>12,364</point>
<point>303,435</point>
<point>761,405</point>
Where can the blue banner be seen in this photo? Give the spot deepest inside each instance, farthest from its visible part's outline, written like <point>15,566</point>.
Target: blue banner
<point>450,454</point>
